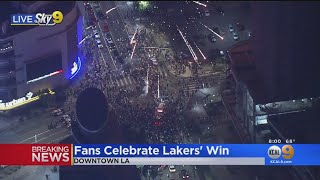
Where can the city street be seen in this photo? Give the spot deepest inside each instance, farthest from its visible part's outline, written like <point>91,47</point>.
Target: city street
<point>223,132</point>
<point>33,130</point>
<point>116,26</point>
<point>192,92</point>
<point>159,72</point>
<point>160,94</point>
<point>160,80</point>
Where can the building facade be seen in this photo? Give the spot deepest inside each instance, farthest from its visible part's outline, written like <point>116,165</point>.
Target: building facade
<point>38,57</point>
<point>248,101</point>
<point>254,111</point>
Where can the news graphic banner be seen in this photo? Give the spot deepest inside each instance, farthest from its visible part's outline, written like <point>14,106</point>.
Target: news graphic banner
<point>169,154</point>
<point>38,19</point>
<point>36,154</point>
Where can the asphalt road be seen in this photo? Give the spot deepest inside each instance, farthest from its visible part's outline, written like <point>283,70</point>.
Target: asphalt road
<point>35,130</point>
<point>195,32</point>
<point>104,53</point>
<point>234,13</point>
<point>117,27</point>
<point>220,136</point>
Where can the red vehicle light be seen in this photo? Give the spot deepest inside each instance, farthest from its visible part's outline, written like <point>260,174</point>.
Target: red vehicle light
<point>157,123</point>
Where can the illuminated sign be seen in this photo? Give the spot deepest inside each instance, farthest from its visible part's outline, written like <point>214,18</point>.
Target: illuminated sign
<point>45,76</point>
<point>18,102</point>
<point>76,68</point>
<point>21,101</point>
<point>39,19</point>
<point>262,119</point>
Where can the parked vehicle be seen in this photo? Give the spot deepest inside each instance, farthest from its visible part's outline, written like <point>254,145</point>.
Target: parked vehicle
<point>207,13</point>
<point>235,36</point>
<point>212,38</point>
<point>184,174</point>
<point>231,29</point>
<point>57,112</point>
<point>172,169</point>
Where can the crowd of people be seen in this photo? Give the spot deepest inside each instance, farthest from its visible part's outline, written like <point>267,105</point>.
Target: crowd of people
<point>135,108</point>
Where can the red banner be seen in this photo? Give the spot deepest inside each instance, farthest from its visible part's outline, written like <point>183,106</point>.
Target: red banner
<point>36,154</point>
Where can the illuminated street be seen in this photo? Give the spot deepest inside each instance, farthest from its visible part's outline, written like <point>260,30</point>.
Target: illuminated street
<point>184,72</point>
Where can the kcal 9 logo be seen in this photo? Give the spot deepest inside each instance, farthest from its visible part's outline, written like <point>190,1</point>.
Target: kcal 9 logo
<point>287,152</point>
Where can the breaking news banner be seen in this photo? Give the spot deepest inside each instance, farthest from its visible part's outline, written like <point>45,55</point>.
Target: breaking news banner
<point>36,154</point>
<point>169,154</point>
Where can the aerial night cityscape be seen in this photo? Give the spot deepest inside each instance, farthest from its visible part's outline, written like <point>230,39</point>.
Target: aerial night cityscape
<point>160,72</point>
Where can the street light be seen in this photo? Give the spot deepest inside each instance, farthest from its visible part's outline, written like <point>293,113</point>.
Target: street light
<point>147,83</point>
<point>158,86</point>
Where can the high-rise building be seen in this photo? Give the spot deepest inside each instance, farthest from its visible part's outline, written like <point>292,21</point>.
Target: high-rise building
<point>34,58</point>
<point>276,71</point>
<point>274,77</point>
<point>285,46</point>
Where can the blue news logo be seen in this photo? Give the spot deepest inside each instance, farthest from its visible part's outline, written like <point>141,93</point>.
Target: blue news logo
<point>39,19</point>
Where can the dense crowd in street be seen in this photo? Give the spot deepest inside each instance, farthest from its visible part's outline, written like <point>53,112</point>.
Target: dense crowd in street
<point>135,108</point>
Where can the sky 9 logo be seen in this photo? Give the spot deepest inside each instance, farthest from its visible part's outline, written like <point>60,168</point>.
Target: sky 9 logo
<point>57,17</point>
<point>287,152</point>
<point>49,19</point>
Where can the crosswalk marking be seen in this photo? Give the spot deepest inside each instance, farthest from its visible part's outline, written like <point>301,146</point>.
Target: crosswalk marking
<point>118,85</point>
<point>129,79</point>
<point>165,73</point>
<point>162,71</point>
<point>112,83</point>
<point>122,84</point>
<point>192,86</point>
<point>125,80</point>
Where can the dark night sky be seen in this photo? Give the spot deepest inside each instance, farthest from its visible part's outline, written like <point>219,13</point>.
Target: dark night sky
<point>5,10</point>
<point>286,42</point>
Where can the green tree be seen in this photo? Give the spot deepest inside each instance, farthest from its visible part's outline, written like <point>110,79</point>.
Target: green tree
<point>144,5</point>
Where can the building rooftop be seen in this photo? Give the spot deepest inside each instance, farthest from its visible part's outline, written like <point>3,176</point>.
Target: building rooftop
<point>27,7</point>
<point>241,54</point>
